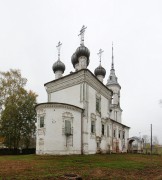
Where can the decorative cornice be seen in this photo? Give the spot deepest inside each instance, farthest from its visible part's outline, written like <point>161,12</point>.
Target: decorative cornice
<point>112,85</point>
<point>58,105</point>
<point>78,77</point>
<point>118,123</point>
<point>115,107</point>
<point>65,82</point>
<point>97,85</point>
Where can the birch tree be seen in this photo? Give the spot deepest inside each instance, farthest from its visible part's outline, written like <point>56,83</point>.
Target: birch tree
<point>18,114</point>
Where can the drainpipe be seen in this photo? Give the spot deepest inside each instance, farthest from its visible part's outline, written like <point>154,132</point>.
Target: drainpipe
<point>82,132</point>
<point>112,135</point>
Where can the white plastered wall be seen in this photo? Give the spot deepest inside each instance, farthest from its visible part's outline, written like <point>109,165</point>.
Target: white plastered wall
<point>70,95</point>
<point>53,136</point>
<point>92,144</point>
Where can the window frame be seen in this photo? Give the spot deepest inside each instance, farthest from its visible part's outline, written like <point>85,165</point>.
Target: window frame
<point>93,126</point>
<point>67,116</point>
<point>123,135</point>
<point>119,134</point>
<point>68,131</point>
<point>98,104</point>
<point>108,131</point>
<point>103,129</point>
<point>114,133</point>
<point>41,125</point>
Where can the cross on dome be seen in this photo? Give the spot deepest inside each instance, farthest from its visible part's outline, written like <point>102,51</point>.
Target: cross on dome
<point>58,48</point>
<point>82,31</point>
<point>100,72</point>
<point>100,54</point>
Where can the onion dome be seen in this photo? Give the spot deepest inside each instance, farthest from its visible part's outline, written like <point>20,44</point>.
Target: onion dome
<point>100,71</point>
<point>83,51</point>
<point>58,66</point>
<point>80,51</point>
<point>74,60</point>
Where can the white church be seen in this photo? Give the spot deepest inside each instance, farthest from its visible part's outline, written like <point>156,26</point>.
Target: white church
<point>82,114</point>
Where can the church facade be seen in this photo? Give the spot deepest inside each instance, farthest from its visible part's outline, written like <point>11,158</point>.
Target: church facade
<point>82,115</point>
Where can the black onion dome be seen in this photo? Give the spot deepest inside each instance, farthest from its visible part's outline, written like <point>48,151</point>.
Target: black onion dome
<point>74,59</point>
<point>58,66</point>
<point>100,71</point>
<point>83,51</point>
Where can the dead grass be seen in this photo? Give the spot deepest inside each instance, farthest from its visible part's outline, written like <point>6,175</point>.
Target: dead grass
<point>115,166</point>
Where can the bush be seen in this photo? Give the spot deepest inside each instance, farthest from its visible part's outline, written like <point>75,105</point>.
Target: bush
<point>7,151</point>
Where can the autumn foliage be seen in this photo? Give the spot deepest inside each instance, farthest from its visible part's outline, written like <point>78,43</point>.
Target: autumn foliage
<point>18,115</point>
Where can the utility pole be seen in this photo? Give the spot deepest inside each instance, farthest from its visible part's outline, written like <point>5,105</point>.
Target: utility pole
<point>151,138</point>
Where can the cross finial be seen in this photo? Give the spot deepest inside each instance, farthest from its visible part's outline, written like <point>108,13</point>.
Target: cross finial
<point>100,54</point>
<point>58,48</point>
<point>112,65</point>
<point>82,31</point>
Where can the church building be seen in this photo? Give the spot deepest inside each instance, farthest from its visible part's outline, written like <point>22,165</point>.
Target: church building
<point>82,114</point>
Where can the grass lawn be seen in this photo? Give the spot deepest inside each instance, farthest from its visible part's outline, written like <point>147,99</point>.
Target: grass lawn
<point>114,166</point>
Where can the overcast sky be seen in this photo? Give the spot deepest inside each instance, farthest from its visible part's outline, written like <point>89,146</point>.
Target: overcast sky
<point>31,29</point>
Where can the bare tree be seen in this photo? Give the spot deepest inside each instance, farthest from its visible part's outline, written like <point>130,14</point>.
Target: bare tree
<point>155,140</point>
<point>146,140</point>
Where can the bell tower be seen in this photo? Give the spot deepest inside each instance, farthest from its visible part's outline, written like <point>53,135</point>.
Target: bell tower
<point>112,83</point>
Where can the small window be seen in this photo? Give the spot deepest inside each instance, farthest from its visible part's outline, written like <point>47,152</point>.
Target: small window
<point>92,126</point>
<point>67,127</point>
<point>108,131</point>
<point>119,134</point>
<point>103,129</point>
<point>112,100</point>
<point>110,77</point>
<point>41,121</point>
<point>98,104</point>
<point>114,133</point>
<point>123,134</point>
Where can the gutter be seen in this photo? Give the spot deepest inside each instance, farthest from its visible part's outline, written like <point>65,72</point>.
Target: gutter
<point>82,132</point>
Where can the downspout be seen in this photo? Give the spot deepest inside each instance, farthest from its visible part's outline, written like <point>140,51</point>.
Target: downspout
<point>112,135</point>
<point>82,132</point>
